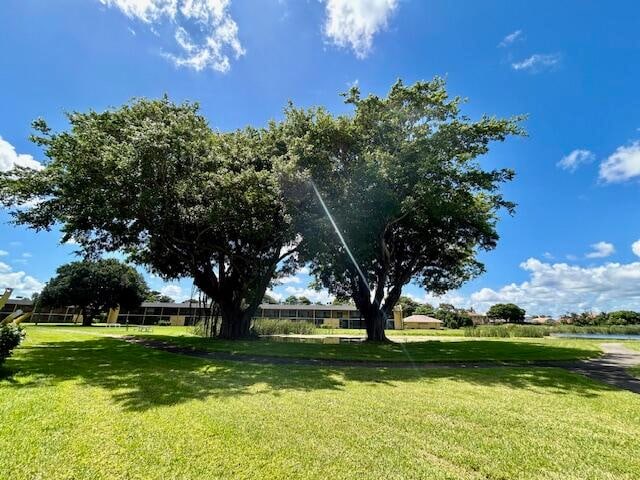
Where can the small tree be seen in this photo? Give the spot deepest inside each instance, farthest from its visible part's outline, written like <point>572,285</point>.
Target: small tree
<point>155,296</point>
<point>424,309</point>
<point>10,337</point>
<point>95,287</point>
<point>293,300</point>
<point>453,318</point>
<point>509,312</point>
<point>408,305</point>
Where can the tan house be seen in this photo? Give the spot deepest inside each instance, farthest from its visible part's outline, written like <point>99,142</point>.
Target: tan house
<point>421,321</point>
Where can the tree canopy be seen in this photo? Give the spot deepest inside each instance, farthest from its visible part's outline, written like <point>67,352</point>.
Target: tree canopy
<point>401,179</point>
<point>155,296</point>
<point>508,312</point>
<point>95,287</point>
<point>151,179</point>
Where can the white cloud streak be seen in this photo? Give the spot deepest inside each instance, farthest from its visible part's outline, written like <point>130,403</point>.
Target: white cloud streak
<point>511,38</point>
<point>601,250</point>
<point>575,159</point>
<point>353,23</point>
<point>538,62</point>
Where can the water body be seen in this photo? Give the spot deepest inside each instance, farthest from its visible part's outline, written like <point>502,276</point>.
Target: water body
<point>604,336</point>
<point>333,340</point>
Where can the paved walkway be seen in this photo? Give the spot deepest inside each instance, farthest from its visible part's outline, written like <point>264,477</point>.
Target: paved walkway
<point>611,368</point>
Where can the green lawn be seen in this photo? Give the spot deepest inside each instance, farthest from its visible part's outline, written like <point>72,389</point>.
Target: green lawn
<point>75,405</point>
<point>436,350</point>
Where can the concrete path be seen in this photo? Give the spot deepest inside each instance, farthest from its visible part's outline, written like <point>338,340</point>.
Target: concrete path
<point>611,368</point>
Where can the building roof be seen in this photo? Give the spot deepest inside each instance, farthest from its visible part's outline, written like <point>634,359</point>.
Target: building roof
<point>265,306</point>
<point>421,319</point>
<point>281,306</point>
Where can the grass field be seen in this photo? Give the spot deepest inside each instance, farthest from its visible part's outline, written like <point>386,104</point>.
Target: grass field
<point>435,350</point>
<point>75,405</point>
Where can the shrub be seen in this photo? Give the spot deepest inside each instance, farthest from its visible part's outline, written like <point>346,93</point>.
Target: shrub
<point>10,338</point>
<point>508,331</point>
<point>270,326</point>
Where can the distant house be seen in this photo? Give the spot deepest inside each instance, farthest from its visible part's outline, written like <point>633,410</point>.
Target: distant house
<point>422,322</point>
<point>540,320</point>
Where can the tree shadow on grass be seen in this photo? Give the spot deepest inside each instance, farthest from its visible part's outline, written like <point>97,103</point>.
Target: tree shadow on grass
<point>140,378</point>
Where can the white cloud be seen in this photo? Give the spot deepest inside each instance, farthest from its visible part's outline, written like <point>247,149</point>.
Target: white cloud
<point>575,159</point>
<point>548,255</point>
<point>205,32</point>
<point>3,253</point>
<point>278,297</point>
<point>622,165</point>
<point>23,285</point>
<point>9,158</point>
<point>26,255</point>
<point>322,296</point>
<point>174,291</point>
<point>635,247</point>
<point>511,38</point>
<point>559,288</point>
<point>538,62</point>
<point>290,279</point>
<point>354,23</point>
<point>601,250</point>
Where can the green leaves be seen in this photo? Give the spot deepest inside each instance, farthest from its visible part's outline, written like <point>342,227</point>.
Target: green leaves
<point>400,177</point>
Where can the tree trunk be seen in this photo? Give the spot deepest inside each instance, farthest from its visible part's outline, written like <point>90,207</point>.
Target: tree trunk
<point>87,317</point>
<point>235,322</point>
<point>375,322</point>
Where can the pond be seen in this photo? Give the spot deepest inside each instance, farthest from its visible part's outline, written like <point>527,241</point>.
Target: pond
<point>325,340</point>
<point>606,336</point>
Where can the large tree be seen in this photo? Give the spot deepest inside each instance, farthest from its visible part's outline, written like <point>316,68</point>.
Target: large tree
<point>94,287</point>
<point>400,177</point>
<point>151,179</point>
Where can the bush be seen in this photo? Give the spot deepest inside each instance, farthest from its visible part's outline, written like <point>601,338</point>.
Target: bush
<point>508,331</point>
<point>10,338</point>
<point>270,326</point>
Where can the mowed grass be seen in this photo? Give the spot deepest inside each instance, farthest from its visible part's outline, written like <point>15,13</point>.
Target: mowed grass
<point>440,349</point>
<point>74,405</point>
<point>433,350</point>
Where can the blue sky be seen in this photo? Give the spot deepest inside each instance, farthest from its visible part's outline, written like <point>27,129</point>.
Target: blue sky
<point>572,66</point>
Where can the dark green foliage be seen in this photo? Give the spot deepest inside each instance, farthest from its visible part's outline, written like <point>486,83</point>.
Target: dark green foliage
<point>95,287</point>
<point>508,312</point>
<point>408,305</point>
<point>424,309</point>
<point>453,318</point>
<point>155,296</point>
<point>293,300</point>
<point>10,337</point>
<point>151,179</point>
<point>620,317</point>
<point>401,177</point>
